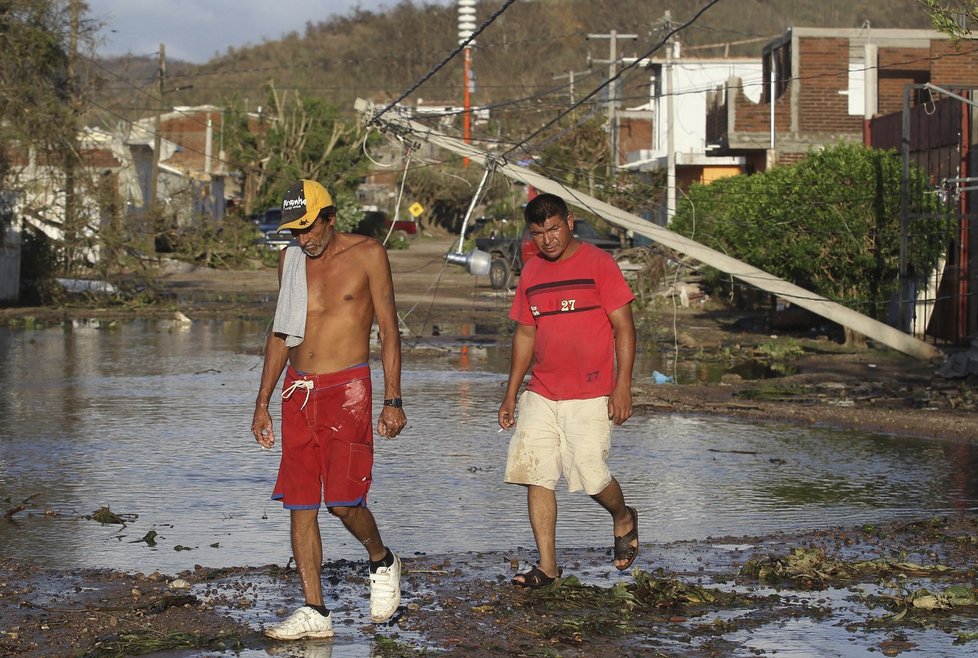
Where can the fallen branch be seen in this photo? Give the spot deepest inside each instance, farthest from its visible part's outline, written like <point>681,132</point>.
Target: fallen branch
<point>9,514</point>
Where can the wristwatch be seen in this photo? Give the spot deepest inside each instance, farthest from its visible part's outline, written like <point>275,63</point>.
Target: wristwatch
<point>393,402</point>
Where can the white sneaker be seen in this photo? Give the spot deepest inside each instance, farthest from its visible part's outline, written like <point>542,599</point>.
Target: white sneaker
<point>304,622</point>
<point>385,591</point>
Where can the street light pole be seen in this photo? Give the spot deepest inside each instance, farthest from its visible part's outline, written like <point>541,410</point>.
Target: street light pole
<point>467,100</point>
<point>466,25</point>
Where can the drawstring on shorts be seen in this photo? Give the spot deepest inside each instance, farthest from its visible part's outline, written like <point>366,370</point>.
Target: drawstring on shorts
<point>299,383</point>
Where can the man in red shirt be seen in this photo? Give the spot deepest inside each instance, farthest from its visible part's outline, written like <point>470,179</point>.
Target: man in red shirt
<point>574,322</point>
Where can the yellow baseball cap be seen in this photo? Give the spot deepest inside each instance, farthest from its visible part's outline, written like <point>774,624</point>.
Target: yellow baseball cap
<point>302,203</point>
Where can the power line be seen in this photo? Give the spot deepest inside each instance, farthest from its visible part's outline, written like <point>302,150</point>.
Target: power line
<point>464,44</point>
<point>618,75</point>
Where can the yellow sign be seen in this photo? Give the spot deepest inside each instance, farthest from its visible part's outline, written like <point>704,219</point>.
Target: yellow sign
<point>416,209</point>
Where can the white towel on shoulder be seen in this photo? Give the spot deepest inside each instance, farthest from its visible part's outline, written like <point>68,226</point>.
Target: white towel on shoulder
<point>290,311</point>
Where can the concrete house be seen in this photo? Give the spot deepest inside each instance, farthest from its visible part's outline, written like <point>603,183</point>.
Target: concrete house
<point>37,198</point>
<point>192,175</point>
<point>193,170</point>
<point>820,86</point>
<point>680,89</point>
<point>907,90</point>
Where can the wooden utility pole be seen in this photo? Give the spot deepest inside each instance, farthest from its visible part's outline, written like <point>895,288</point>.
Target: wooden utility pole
<point>70,223</point>
<point>157,139</point>
<point>612,63</point>
<point>570,75</point>
<point>671,125</point>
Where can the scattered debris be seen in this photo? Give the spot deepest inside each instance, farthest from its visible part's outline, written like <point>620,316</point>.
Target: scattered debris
<point>149,538</point>
<point>105,515</point>
<point>9,514</point>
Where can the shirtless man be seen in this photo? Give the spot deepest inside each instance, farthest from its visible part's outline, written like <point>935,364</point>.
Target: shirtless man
<point>327,439</point>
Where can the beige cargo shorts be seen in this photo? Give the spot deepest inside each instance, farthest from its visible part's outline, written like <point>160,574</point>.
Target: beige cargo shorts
<point>570,438</point>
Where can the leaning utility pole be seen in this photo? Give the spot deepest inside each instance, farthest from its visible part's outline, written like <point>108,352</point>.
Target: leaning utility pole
<point>745,272</point>
<point>612,63</point>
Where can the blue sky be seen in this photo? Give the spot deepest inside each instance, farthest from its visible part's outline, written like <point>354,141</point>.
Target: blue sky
<point>196,30</point>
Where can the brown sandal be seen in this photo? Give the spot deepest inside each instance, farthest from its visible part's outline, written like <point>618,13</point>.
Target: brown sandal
<point>623,545</point>
<point>535,578</point>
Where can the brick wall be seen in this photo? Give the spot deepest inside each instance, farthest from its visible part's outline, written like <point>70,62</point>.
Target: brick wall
<point>793,157</point>
<point>899,67</point>
<point>953,65</point>
<point>633,135</point>
<point>190,133</point>
<point>756,117</point>
<point>823,69</point>
<point>100,158</point>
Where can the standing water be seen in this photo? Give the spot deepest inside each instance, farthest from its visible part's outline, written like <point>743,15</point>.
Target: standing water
<point>152,420</point>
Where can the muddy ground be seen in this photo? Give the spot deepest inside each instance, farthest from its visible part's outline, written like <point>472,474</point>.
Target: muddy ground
<point>890,589</point>
<point>863,583</point>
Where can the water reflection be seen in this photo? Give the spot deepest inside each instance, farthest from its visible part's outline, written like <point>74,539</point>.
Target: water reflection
<point>152,418</point>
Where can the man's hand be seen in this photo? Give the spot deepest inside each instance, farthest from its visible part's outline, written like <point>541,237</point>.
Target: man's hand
<point>507,414</point>
<point>261,427</point>
<point>392,420</point>
<point>620,405</point>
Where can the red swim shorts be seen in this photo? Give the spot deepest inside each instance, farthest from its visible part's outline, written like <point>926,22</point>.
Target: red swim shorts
<point>327,439</point>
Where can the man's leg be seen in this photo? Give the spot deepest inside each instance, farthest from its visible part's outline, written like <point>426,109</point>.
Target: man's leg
<point>385,567</point>
<point>613,500</point>
<point>360,523</point>
<point>311,620</point>
<point>307,547</point>
<point>541,504</point>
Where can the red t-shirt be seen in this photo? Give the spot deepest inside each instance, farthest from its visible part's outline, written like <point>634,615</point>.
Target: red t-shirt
<point>569,302</point>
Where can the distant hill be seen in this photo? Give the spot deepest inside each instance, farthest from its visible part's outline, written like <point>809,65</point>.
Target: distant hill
<point>380,55</point>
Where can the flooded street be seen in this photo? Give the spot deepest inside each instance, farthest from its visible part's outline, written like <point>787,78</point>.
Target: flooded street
<point>151,419</point>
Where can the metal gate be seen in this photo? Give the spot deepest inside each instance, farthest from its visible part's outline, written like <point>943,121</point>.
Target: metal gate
<point>935,133</point>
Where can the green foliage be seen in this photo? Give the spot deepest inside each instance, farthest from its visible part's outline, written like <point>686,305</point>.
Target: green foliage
<point>228,244</point>
<point>813,568</point>
<point>445,193</point>
<point>41,82</point>
<point>781,349</point>
<point>830,224</point>
<point>34,100</point>
<point>348,210</point>
<point>297,137</point>
<point>952,17</point>
<point>580,155</point>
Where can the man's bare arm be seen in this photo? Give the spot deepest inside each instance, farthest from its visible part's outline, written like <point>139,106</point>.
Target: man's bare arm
<point>392,419</point>
<point>524,339</point>
<point>276,356</point>
<point>620,401</point>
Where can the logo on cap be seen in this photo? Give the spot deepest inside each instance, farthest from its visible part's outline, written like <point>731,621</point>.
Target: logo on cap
<point>302,203</point>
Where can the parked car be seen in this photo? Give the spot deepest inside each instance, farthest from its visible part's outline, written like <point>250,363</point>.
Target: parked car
<point>377,224</point>
<point>269,220</point>
<point>374,224</point>
<point>509,254</point>
<point>271,237</point>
